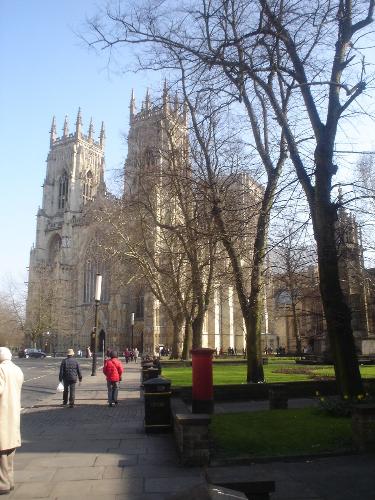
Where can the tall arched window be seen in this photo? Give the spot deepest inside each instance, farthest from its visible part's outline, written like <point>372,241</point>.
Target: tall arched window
<point>54,249</point>
<point>91,269</point>
<point>63,191</point>
<point>139,305</point>
<point>148,158</point>
<point>87,188</point>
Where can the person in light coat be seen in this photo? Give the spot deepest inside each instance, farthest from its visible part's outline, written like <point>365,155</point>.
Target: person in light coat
<point>11,380</point>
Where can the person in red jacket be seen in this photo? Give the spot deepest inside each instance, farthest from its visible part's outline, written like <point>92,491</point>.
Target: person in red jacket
<point>113,371</point>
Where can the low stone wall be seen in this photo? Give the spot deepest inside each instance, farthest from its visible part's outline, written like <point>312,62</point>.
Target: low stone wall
<point>248,392</point>
<point>363,427</point>
<point>191,432</point>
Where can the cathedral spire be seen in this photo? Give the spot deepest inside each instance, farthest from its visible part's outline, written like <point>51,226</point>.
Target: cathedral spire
<point>79,124</point>
<point>91,131</point>
<point>66,127</point>
<point>165,96</point>
<point>185,112</point>
<point>132,106</point>
<point>102,136</point>
<point>53,131</point>
<point>147,100</point>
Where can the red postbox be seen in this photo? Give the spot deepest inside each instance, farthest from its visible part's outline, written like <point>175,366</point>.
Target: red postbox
<point>202,389</point>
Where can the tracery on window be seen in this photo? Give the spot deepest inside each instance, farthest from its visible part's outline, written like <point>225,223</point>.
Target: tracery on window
<point>91,269</point>
<point>63,191</point>
<point>149,158</point>
<point>54,249</point>
<point>88,188</point>
<point>139,305</point>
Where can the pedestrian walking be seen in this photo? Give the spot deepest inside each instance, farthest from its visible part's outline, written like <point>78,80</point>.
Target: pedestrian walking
<point>127,355</point>
<point>135,354</point>
<point>113,371</point>
<point>11,380</point>
<point>69,373</point>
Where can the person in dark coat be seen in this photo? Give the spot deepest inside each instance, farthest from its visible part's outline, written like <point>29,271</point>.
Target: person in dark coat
<point>69,373</point>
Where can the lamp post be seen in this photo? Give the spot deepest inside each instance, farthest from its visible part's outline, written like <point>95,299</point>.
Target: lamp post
<point>132,316</point>
<point>98,291</point>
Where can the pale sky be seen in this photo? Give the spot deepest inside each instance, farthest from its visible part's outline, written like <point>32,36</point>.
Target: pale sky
<point>47,70</point>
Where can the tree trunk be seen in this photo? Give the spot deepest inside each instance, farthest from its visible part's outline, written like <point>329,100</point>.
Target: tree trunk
<point>337,313</point>
<point>255,310</point>
<point>187,340</point>
<point>253,323</point>
<point>177,336</point>
<point>296,329</point>
<point>197,327</point>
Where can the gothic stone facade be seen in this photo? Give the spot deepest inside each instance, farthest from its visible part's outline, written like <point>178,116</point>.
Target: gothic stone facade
<point>65,259</point>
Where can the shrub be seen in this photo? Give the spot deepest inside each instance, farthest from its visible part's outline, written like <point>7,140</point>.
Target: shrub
<point>342,407</point>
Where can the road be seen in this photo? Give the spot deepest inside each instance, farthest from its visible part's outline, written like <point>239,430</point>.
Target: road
<point>42,377</point>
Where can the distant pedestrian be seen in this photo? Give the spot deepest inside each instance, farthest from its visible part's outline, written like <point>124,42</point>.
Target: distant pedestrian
<point>11,379</point>
<point>127,355</point>
<point>69,373</point>
<point>113,371</point>
<point>135,354</point>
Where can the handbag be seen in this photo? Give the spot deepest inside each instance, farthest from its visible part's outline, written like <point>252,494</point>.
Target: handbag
<point>60,387</point>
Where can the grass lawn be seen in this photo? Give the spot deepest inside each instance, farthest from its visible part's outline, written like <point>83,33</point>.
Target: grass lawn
<point>275,371</point>
<point>279,433</point>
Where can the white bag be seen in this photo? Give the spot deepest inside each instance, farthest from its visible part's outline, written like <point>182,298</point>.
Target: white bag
<point>60,387</point>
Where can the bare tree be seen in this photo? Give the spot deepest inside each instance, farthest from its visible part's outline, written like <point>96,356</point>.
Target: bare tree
<point>293,259</point>
<point>312,49</point>
<point>12,318</point>
<point>161,231</point>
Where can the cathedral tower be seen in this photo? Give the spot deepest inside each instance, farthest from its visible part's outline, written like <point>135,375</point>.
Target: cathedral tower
<point>157,143</point>
<point>74,177</point>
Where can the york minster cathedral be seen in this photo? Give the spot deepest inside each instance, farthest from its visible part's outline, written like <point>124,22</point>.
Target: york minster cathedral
<point>67,256</point>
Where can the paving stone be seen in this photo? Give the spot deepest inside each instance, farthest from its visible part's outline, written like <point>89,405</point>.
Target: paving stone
<point>119,460</point>
<point>33,490</point>
<point>157,459</point>
<point>63,460</point>
<point>112,472</point>
<point>75,488</point>
<point>35,475</point>
<point>127,486</point>
<point>171,484</point>
<point>78,473</point>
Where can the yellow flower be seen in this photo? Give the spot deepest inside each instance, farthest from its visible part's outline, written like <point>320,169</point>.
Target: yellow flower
<point>322,399</point>
<point>360,396</point>
<point>346,396</point>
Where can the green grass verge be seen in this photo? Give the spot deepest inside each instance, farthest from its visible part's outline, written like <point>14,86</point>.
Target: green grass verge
<point>278,433</point>
<point>274,372</point>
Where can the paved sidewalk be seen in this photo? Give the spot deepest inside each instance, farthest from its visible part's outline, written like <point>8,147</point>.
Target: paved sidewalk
<point>97,452</point>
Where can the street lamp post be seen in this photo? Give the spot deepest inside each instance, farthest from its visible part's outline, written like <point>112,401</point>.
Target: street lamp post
<point>98,291</point>
<point>132,316</point>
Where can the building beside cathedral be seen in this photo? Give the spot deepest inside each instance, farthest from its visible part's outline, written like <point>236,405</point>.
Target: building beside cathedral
<point>68,255</point>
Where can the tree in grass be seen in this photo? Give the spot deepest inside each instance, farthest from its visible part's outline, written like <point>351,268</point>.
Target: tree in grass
<point>311,52</point>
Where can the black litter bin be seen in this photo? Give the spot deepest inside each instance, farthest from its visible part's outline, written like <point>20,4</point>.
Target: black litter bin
<point>145,368</point>
<point>157,395</point>
<point>152,372</point>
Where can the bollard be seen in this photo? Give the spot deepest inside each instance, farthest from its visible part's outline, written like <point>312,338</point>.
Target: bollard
<point>363,427</point>
<point>278,397</point>
<point>202,388</point>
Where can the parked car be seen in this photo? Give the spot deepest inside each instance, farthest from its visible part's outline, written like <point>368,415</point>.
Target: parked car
<point>31,353</point>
